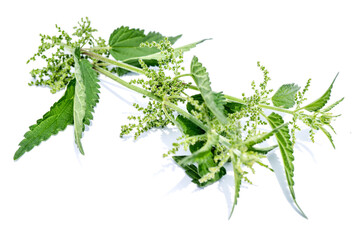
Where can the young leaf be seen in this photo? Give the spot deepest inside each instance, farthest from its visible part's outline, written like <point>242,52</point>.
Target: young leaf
<point>262,137</point>
<point>213,101</point>
<point>237,180</point>
<point>285,96</point>
<point>264,151</point>
<point>320,103</point>
<point>56,119</point>
<point>79,102</point>
<point>125,45</point>
<point>328,135</point>
<point>286,150</point>
<point>327,109</point>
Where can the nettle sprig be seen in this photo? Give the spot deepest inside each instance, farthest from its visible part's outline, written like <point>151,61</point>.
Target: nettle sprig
<point>217,129</point>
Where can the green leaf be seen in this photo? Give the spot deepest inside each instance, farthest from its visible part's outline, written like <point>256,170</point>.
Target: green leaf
<point>92,87</point>
<point>286,150</point>
<point>328,135</point>
<point>188,127</point>
<point>320,103</point>
<point>191,170</point>
<point>233,107</point>
<point>204,153</point>
<point>125,45</point>
<point>264,151</point>
<point>215,102</point>
<point>86,96</point>
<point>327,109</point>
<point>56,119</point>
<point>229,107</point>
<point>285,96</point>
<point>197,97</point>
<point>237,180</point>
<point>158,56</point>
<point>79,102</point>
<point>251,141</point>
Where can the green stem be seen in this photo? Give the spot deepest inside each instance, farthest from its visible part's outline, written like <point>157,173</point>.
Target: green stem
<point>187,115</point>
<point>278,109</point>
<point>235,99</point>
<point>168,115</point>
<point>126,84</point>
<point>113,62</point>
<point>97,48</point>
<point>183,75</point>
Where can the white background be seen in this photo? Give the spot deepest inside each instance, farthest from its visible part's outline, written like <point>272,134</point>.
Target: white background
<point>124,189</point>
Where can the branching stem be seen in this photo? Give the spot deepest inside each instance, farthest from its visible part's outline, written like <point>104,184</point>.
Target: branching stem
<point>113,62</point>
<point>140,71</point>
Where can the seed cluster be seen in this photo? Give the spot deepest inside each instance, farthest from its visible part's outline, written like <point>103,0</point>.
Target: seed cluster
<point>162,81</point>
<point>58,71</point>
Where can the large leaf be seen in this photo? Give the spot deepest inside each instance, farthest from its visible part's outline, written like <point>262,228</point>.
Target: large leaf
<point>286,150</point>
<point>91,89</point>
<point>86,86</point>
<point>285,96</point>
<point>321,102</point>
<point>56,119</point>
<point>125,45</point>
<point>79,102</point>
<point>212,100</point>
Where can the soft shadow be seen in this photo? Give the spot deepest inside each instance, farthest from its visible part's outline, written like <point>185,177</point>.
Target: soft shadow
<point>182,184</point>
<point>227,186</point>
<point>169,136</point>
<point>110,89</point>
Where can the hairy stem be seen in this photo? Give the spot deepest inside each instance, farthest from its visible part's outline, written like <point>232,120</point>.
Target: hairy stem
<point>278,109</point>
<point>126,84</point>
<point>97,48</point>
<point>114,62</point>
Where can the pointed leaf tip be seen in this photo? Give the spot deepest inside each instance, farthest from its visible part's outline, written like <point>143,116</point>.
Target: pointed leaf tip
<point>56,119</point>
<point>214,101</point>
<point>321,102</point>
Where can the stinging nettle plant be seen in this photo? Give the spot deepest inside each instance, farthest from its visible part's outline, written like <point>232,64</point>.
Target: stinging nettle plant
<point>217,129</point>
